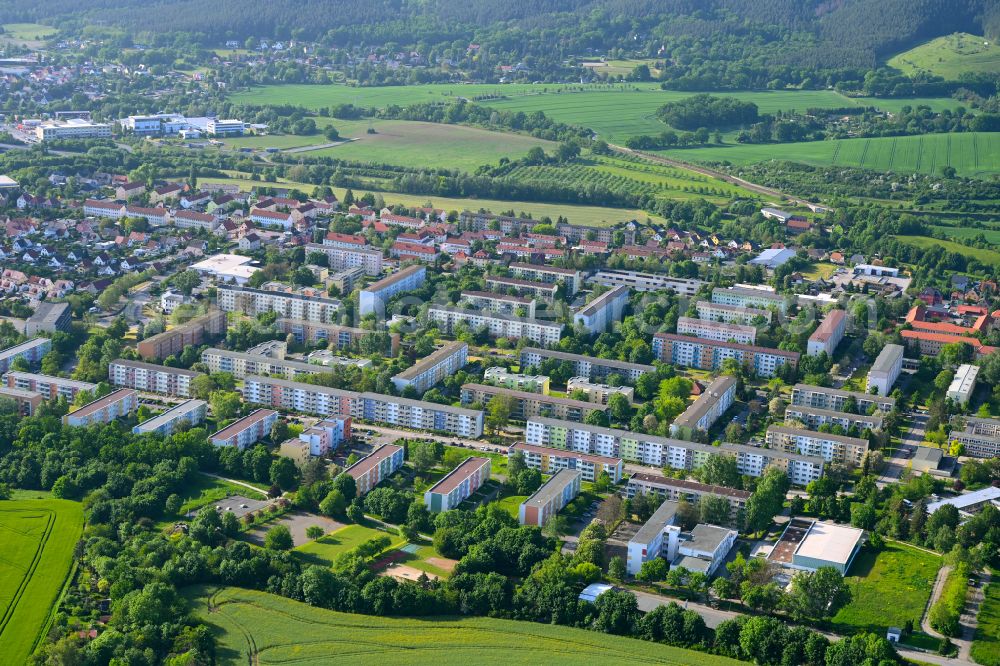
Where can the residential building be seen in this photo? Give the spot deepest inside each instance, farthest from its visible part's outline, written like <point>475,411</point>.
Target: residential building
<point>598,393</point>
<point>548,460</point>
<point>344,257</point>
<point>926,343</point>
<point>821,397</point>
<point>704,548</point>
<point>708,355</point>
<point>840,449</point>
<point>377,466</point>
<point>529,405</point>
<point>48,317</point>
<point>500,302</point>
<point>151,378</point>
<point>27,402</point>
<point>551,498</point>
<point>602,312</point>
<point>187,414</point>
<point>707,329</point>
<point>247,431</point>
<point>327,435</point>
<point>346,279</point>
<point>457,485</point>
<point>99,208</point>
<point>48,386</point>
<point>687,490</point>
<point>241,364</point>
<point>192,219</point>
<point>751,297</point>
<point>157,217</point>
<point>963,384</point>
<point>585,366</point>
<point>731,314</point>
<point>374,297</point>
<point>512,380</point>
<point>570,278</point>
<point>658,537</point>
<point>647,282</point>
<point>499,325</point>
<point>814,417</point>
<point>74,128</point>
<point>117,404</point>
<point>503,285</point>
<point>290,305</point>
<point>299,397</point>
<point>341,336</point>
<point>197,331</point>
<point>433,369</point>
<point>706,409</point>
<point>31,351</point>
<point>808,544</point>
<point>979,436</point>
<point>885,370</point>
<point>828,335</point>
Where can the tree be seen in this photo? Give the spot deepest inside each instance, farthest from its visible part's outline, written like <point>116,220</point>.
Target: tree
<point>720,470</point>
<point>284,473</point>
<point>619,407</point>
<point>817,594</point>
<point>230,524</point>
<point>202,387</point>
<point>314,532</point>
<point>617,612</point>
<point>225,404</point>
<point>767,500</point>
<point>334,504</point>
<point>714,509</point>
<point>499,410</point>
<point>186,281</point>
<point>617,569</point>
<point>347,486</point>
<point>278,538</point>
<point>653,570</point>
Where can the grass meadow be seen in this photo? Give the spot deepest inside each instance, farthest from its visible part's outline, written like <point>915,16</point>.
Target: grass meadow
<point>38,540</point>
<point>991,257</point>
<point>259,628</point>
<point>950,56</point>
<point>986,646</point>
<point>325,550</point>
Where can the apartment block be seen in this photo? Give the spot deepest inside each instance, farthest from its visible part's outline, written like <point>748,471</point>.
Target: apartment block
<point>927,343</point>
<point>241,364</point>
<point>378,465</point>
<point>192,219</point>
<point>549,460</point>
<point>719,331</point>
<point>433,369</point>
<point>504,285</point>
<point>838,449</point>
<point>247,431</point>
<point>980,437</point>
<point>151,378</point>
<point>682,489</point>
<point>48,317</point>
<point>27,402</point>
<point>804,395</point>
<point>707,355</point>
<point>499,325</point>
<point>813,417</point>
<point>187,414</point>
<point>99,208</point>
<point>458,485</point>
<point>828,335</point>
<point>602,312</point>
<point>750,297</point>
<point>598,393</point>
<point>646,282</point>
<point>31,351</point>
<point>106,409</point>
<point>291,305</point>
<point>585,366</point>
<point>341,337</point>
<point>731,314</point>
<point>551,498</point>
<point>885,370</point>
<point>529,405</point>
<point>501,303</point>
<point>570,278</point>
<point>298,397</point>
<point>327,435</point>
<point>374,297</point>
<point>706,409</point>
<point>198,330</point>
<point>340,258</point>
<point>658,537</point>
<point>48,386</point>
<point>512,380</point>
<point>963,384</point>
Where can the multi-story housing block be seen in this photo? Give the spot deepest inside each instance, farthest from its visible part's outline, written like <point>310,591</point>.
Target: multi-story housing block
<point>48,318</point>
<point>341,257</point>
<point>340,336</point>
<point>683,489</point>
<point>599,393</point>
<point>31,351</point>
<point>500,302</point>
<point>707,355</point>
<point>100,208</point>
<point>374,297</point>
<point>885,370</point>
<point>551,498</point>
<point>27,402</point>
<point>828,335</point>
<point>529,405</point>
<point>194,332</point>
<point>48,386</point>
<point>646,282</point>
<point>839,449</point>
<point>750,297</point>
<point>599,314</point>
<point>512,380</point>
<point>241,364</point>
<point>963,383</point>
<point>187,414</point>
<point>247,431</point>
<point>585,366</point>
<point>377,466</point>
<point>192,219</point>
<point>731,314</point>
<point>427,372</point>
<point>548,460</point>
<point>979,436</point>
<point>706,329</point>
<point>106,409</point>
<point>706,410</point>
<point>151,378</point>
<point>813,417</point>
<point>503,285</point>
<point>804,395</point>
<point>252,302</point>
<point>327,435</point>
<point>458,485</point>
<point>499,325</point>
<point>571,279</point>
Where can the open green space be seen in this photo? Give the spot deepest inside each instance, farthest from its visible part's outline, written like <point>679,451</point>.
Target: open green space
<point>991,257</point>
<point>279,141</point>
<point>971,153</point>
<point>887,589</point>
<point>26,32</point>
<point>512,504</point>
<point>259,628</point>
<point>325,550</point>
<point>991,235</point>
<point>986,645</point>
<point>204,490</point>
<point>455,455</point>
<point>950,56</point>
<point>38,540</point>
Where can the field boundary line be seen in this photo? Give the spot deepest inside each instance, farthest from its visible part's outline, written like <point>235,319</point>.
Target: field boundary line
<point>55,607</point>
<point>864,153</point>
<point>920,153</point>
<point>892,153</point>
<point>36,558</point>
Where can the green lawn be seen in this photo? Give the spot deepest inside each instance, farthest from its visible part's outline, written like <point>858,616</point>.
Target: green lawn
<point>205,490</point>
<point>325,550</point>
<point>950,56</point>
<point>991,235</point>
<point>991,257</point>
<point>512,504</point>
<point>259,628</point>
<point>986,647</point>
<point>38,540</point>
<point>27,32</point>
<point>498,461</point>
<point>887,589</point>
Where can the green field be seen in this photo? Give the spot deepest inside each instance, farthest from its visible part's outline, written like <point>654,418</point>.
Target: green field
<point>512,504</point>
<point>38,541</point>
<point>950,56</point>
<point>26,32</point>
<point>992,235</point>
<point>325,550</point>
<point>971,153</point>
<point>986,646</point>
<point>887,589</point>
<point>991,257</point>
<point>259,628</point>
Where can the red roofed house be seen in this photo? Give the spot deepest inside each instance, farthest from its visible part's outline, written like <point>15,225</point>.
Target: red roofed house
<point>404,250</point>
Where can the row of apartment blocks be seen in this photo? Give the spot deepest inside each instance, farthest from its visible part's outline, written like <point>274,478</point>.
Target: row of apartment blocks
<point>591,367</point>
<point>813,417</point>
<point>246,431</point>
<point>821,397</point>
<point>340,258</point>
<point>548,460</point>
<point>115,405</point>
<point>185,415</point>
<point>731,314</point>
<point>377,466</point>
<point>719,331</point>
<point>666,452</point>
<point>980,437</point>
<point>499,325</point>
<point>341,337</point>
<point>551,498</point>
<point>706,410</point>
<point>643,282</point>
<point>151,378</point>
<point>683,489</point>
<point>707,355</point>
<point>431,370</point>
<point>839,449</point>
<point>601,313</point>
<point>198,330</point>
<point>47,386</point>
<point>374,297</point>
<point>502,285</point>
<point>458,485</point>
<point>325,401</point>
<point>529,405</point>
<point>31,351</point>
<point>289,305</point>
<point>500,303</point>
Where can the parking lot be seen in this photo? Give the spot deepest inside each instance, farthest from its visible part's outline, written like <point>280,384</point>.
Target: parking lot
<point>238,505</point>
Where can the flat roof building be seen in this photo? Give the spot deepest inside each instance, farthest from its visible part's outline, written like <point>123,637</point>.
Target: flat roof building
<point>730,314</point>
<point>374,297</point>
<point>599,393</point>
<point>529,405</point>
<point>749,297</point>
<point>602,312</point>
<point>551,498</point>
<point>189,413</point>
<point>301,304</point>
<point>31,351</point>
<point>646,281</point>
<point>658,537</point>
<point>114,405</point>
<point>196,331</point>
<point>48,386</point>
<point>810,544</point>
<point>531,383</point>
<point>225,267</point>
<point>247,431</point>
<point>48,318</point>
<point>709,355</point>
<point>152,378</point>
<point>690,491</point>
<point>548,460</point>
<point>434,368</point>
<point>885,370</point>
<point>969,503</point>
<point>980,437</point>
<point>457,485</point>
<point>839,449</point>
<point>27,402</point>
<point>963,384</point>
<point>375,467</point>
<point>718,331</point>
<point>806,395</point>
<point>585,366</point>
<point>706,410</point>
<point>813,417</point>
<point>538,331</point>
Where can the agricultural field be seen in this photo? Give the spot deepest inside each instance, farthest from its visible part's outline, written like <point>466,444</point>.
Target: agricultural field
<point>974,154</point>
<point>325,550</point>
<point>986,646</point>
<point>992,235</point>
<point>950,56</point>
<point>887,589</point>
<point>260,628</point>
<point>991,257</point>
<point>38,541</point>
<point>26,34</point>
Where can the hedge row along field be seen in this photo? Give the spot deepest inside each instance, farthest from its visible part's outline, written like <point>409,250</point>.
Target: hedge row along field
<point>38,539</point>
<point>946,613</point>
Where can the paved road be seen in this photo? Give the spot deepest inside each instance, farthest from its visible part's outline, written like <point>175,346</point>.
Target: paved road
<point>939,582</point>
<point>970,617</point>
<point>713,616</point>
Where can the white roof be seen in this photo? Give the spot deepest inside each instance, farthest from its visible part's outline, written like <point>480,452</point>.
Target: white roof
<point>226,264</point>
<point>991,494</point>
<point>774,256</point>
<point>829,542</point>
<point>594,590</point>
